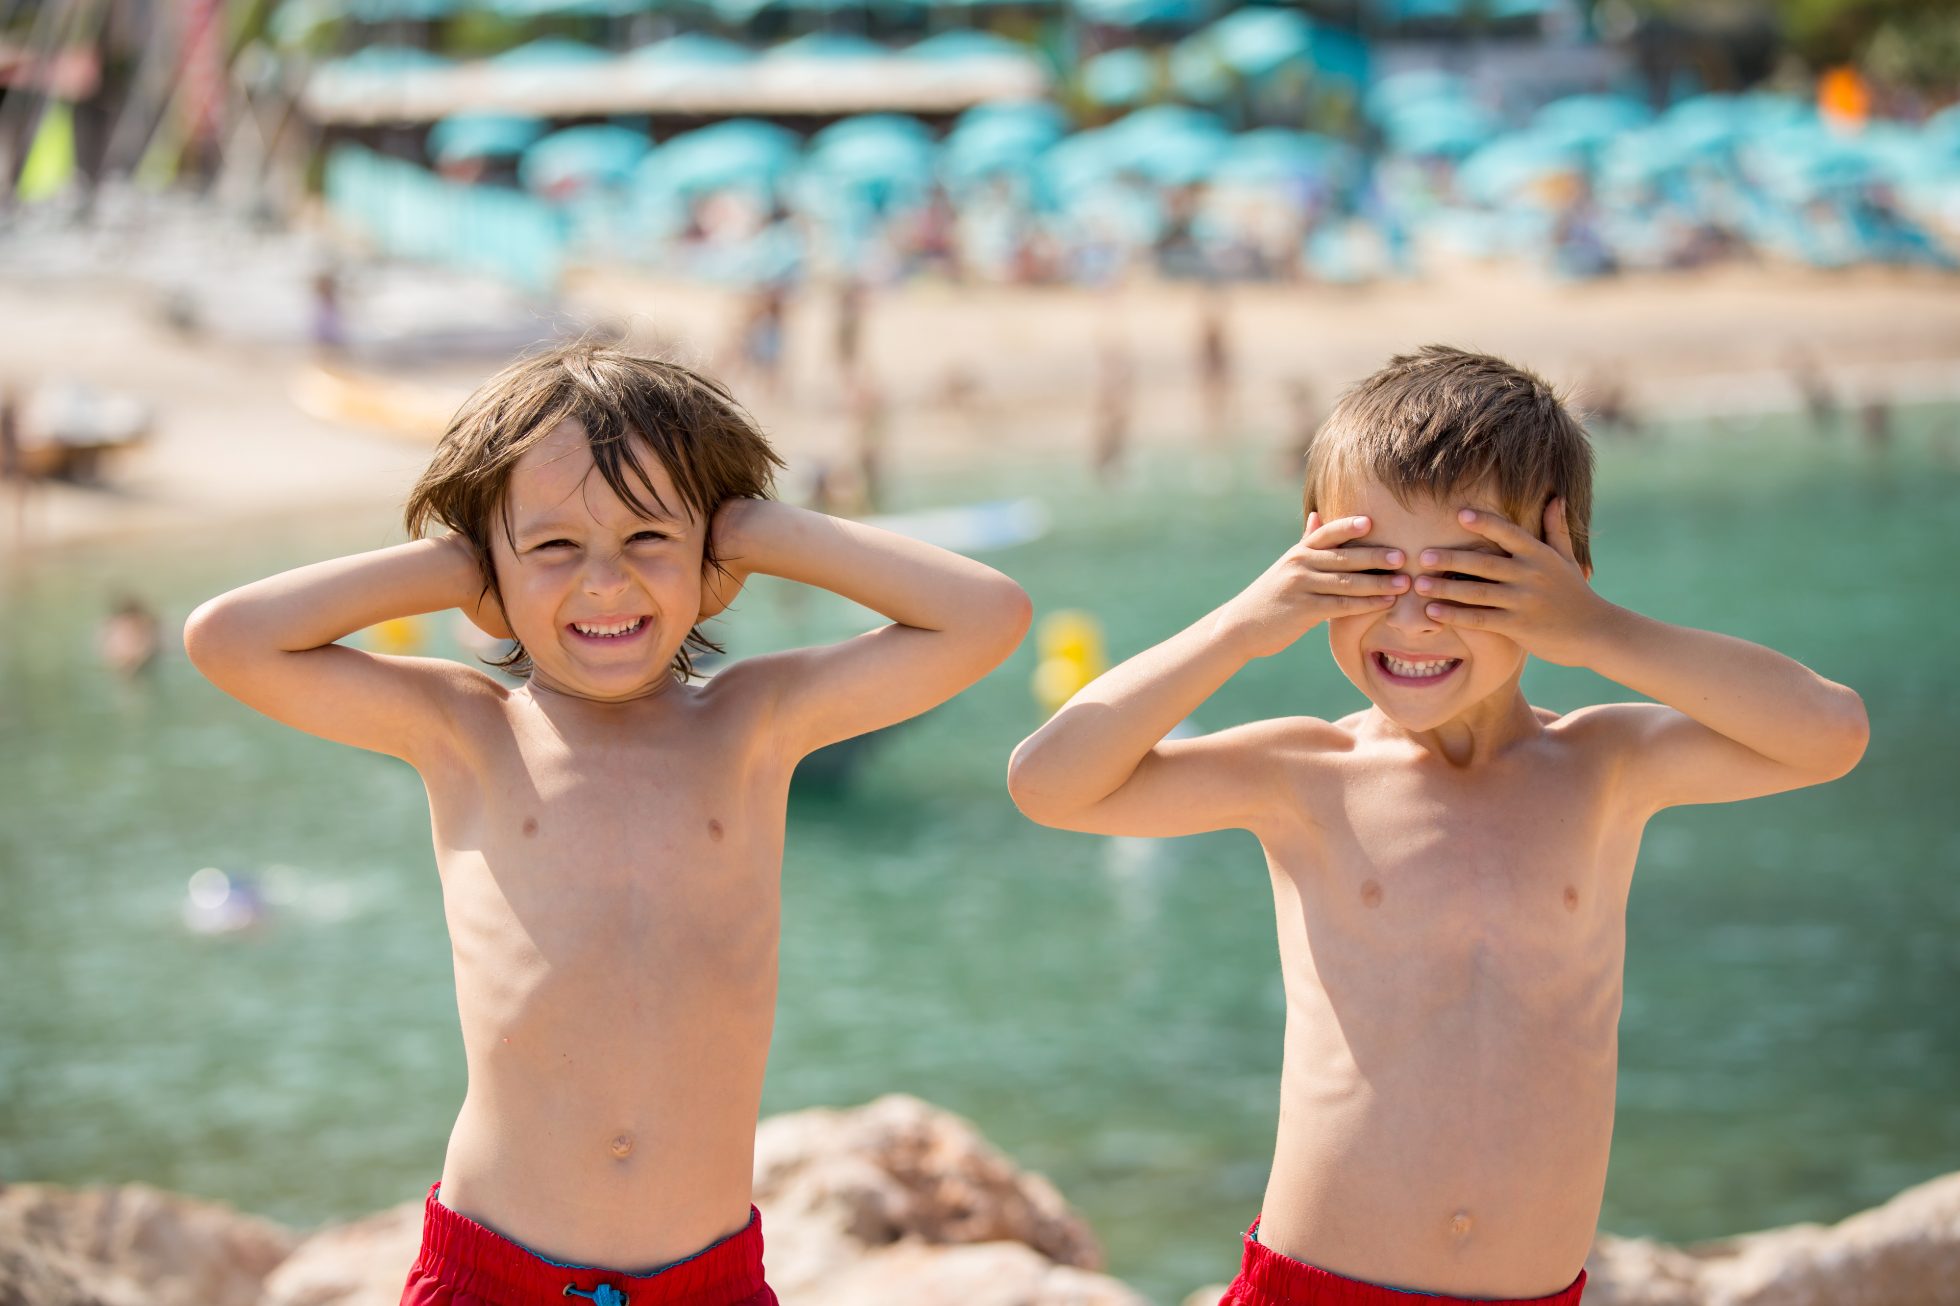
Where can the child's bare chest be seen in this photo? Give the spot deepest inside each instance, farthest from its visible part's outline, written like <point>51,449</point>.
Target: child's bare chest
<point>641,847</point>
<point>1525,866</point>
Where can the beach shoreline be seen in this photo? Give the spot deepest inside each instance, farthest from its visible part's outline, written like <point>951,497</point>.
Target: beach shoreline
<point>970,373</point>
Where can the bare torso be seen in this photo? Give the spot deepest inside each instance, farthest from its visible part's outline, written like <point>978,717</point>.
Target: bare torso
<point>1452,944</point>
<point>614,927</point>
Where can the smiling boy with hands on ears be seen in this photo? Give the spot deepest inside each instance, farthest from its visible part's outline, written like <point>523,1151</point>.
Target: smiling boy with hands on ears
<point>1450,866</point>
<point>609,829</point>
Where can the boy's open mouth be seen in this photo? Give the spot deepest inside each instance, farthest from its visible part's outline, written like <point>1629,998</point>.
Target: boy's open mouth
<point>1414,671</point>
<point>613,628</point>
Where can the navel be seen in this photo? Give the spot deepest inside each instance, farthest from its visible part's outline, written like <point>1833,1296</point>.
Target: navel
<point>1371,894</point>
<point>530,826</point>
<point>1571,898</point>
<point>1460,1224</point>
<point>622,1145</point>
<point>714,830</point>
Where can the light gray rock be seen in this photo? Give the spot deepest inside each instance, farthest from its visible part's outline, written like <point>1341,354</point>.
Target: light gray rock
<point>359,1264</point>
<point>134,1244</point>
<point>901,1202</point>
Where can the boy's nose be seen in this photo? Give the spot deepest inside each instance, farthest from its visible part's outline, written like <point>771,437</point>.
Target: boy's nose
<point>603,574</point>
<point>1410,612</point>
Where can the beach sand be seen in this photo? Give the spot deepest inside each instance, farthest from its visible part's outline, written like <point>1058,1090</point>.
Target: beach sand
<point>969,372</point>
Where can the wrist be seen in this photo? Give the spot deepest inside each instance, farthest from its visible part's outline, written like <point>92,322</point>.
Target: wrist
<point>1231,631</point>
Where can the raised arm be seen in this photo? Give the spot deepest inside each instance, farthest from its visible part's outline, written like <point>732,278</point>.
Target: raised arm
<point>271,645</point>
<point>1102,764</point>
<point>953,619</point>
<point>1731,719</point>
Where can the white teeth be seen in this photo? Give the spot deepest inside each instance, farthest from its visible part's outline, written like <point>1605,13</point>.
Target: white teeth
<point>1417,670</point>
<point>602,631</point>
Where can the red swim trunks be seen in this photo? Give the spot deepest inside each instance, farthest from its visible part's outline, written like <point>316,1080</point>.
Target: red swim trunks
<point>1267,1278</point>
<point>464,1264</point>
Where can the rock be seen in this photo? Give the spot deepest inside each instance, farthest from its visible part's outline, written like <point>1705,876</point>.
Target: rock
<point>1641,1272</point>
<point>131,1244</point>
<point>357,1264</point>
<point>901,1202</point>
<point>912,1273</point>
<point>1904,1253</point>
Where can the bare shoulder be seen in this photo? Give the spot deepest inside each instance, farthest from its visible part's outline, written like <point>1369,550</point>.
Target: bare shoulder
<point>1604,727</point>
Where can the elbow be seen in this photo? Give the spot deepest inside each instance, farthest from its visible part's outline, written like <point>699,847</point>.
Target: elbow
<point>204,634</point>
<point>1024,784</point>
<point>1008,612</point>
<point>212,637</point>
<point>1851,734</point>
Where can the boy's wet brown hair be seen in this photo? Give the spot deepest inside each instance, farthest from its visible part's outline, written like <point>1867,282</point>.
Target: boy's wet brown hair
<point>629,405</point>
<point>1443,421</point>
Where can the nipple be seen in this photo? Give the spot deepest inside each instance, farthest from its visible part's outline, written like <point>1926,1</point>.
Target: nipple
<point>1371,894</point>
<point>1571,898</point>
<point>622,1145</point>
<point>530,826</point>
<point>714,831</point>
<point>1460,1224</point>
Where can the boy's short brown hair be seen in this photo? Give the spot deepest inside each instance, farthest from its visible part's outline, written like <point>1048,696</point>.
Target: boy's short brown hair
<point>709,445</point>
<point>1441,421</point>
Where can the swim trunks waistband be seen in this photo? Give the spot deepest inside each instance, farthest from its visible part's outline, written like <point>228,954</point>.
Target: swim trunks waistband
<point>1268,1278</point>
<point>462,1262</point>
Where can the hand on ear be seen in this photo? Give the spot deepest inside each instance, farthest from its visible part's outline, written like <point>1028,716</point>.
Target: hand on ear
<point>1558,534</point>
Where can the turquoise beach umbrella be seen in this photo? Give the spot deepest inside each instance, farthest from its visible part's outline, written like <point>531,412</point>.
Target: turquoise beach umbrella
<point>737,153</point>
<point>483,136</point>
<point>576,157</point>
<point>1258,40</point>
<point>829,46</point>
<point>1269,156</point>
<point>1044,114</point>
<point>872,126</point>
<point>526,9</point>
<point>1421,86</point>
<point>953,47</point>
<point>1590,119</point>
<point>403,11</point>
<point>1118,78</point>
<point>1142,13</point>
<point>1439,127</point>
<point>1510,164</point>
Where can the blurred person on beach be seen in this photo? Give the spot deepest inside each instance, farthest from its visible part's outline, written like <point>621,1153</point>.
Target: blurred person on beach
<point>129,638</point>
<point>1109,439</point>
<point>1450,866</point>
<point>609,829</point>
<point>1214,364</point>
<point>16,482</point>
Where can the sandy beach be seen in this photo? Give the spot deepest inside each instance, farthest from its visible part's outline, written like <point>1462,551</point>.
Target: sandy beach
<point>969,371</point>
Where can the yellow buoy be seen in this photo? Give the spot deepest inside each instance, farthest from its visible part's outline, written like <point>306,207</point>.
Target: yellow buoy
<point>401,636</point>
<point>1070,643</point>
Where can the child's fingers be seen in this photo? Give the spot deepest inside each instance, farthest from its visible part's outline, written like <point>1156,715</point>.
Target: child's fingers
<point>1473,593</point>
<point>1475,562</point>
<point>1451,614</point>
<point>1339,530</point>
<point>1500,530</point>
<point>1355,582</point>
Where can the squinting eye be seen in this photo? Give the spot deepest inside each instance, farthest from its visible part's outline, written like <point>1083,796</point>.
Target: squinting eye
<point>553,544</point>
<point>649,535</point>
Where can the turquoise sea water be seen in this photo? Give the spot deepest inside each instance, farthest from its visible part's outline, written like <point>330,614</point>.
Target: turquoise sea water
<point>1790,1042</point>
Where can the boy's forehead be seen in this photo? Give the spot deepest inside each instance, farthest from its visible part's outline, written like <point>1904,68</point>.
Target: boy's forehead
<point>1431,518</point>
<point>558,476</point>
